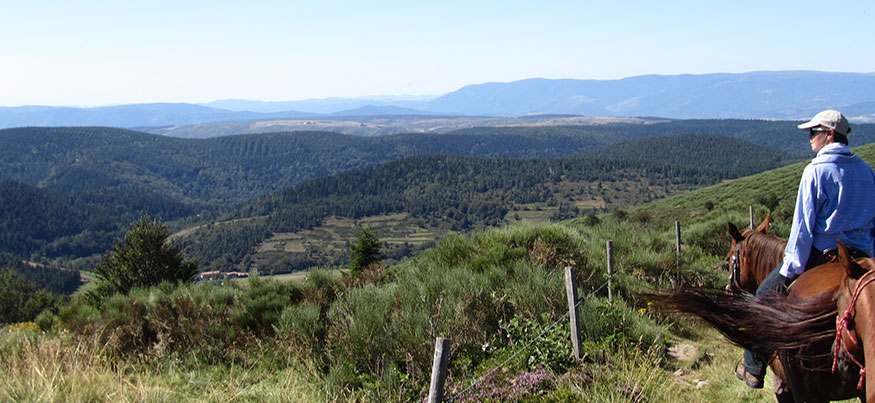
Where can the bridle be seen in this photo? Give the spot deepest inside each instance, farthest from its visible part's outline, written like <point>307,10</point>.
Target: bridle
<point>846,321</point>
<point>735,268</point>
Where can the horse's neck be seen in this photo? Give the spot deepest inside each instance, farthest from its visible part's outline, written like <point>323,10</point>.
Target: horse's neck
<point>764,253</point>
<point>865,329</point>
<point>862,323</point>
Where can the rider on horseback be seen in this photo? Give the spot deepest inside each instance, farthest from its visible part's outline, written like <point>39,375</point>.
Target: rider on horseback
<point>836,201</point>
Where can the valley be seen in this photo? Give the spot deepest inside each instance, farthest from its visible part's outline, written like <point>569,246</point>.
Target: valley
<point>474,245</point>
<point>265,201</point>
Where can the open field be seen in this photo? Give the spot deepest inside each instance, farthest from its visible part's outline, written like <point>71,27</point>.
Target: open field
<point>384,125</point>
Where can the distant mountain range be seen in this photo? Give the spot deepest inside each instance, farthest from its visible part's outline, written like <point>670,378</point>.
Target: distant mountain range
<point>790,95</point>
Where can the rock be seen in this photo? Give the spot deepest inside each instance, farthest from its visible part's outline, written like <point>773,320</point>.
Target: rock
<point>684,352</point>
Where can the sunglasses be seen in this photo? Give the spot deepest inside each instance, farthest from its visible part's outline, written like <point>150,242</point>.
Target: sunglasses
<point>818,130</point>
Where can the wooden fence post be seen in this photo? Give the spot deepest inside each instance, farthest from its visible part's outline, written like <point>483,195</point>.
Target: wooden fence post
<point>439,370</point>
<point>677,239</point>
<point>571,292</point>
<point>751,217</point>
<point>610,252</point>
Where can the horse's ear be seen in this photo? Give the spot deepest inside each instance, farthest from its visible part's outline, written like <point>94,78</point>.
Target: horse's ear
<point>734,233</point>
<point>852,269</point>
<point>764,227</point>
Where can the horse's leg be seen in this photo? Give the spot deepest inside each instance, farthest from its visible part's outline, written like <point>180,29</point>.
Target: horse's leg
<point>782,391</point>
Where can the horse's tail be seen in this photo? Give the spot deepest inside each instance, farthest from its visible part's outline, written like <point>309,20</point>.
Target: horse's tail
<point>762,325</point>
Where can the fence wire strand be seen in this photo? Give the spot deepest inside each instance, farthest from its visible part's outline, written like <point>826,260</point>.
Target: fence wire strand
<point>523,348</point>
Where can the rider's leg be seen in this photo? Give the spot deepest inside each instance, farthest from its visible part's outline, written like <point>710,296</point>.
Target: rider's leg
<point>774,282</point>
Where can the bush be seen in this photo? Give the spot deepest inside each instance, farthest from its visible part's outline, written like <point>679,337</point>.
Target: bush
<point>143,258</point>
<point>362,331</point>
<point>263,304</point>
<point>552,350</point>
<point>46,320</point>
<point>365,251</point>
<point>303,325</point>
<point>214,323</point>
<point>615,325</point>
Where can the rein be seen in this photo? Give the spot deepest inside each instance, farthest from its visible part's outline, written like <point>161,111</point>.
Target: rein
<point>735,268</point>
<point>843,325</point>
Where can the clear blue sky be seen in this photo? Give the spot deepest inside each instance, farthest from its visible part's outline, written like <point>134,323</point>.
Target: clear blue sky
<point>90,52</point>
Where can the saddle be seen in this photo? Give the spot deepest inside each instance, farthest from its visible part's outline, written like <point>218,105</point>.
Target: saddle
<point>831,255</point>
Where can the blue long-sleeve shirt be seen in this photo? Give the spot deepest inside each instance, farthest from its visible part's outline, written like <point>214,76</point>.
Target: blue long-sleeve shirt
<point>836,200</point>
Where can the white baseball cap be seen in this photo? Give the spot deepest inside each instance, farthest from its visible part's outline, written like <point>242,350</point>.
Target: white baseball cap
<point>829,118</point>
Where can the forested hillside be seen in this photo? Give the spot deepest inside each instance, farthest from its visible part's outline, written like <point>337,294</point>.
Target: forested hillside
<point>710,152</point>
<point>49,223</point>
<point>443,193</point>
<point>219,171</point>
<point>67,192</point>
<point>62,282</point>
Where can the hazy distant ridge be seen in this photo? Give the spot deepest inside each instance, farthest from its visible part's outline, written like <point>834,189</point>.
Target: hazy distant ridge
<point>766,95</point>
<point>133,115</point>
<point>778,95</point>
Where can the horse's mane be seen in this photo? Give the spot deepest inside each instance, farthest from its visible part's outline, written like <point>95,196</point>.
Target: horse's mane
<point>763,249</point>
<point>763,325</point>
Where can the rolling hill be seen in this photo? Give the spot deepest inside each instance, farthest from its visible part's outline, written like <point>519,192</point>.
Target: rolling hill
<point>88,184</point>
<point>415,199</point>
<point>217,172</point>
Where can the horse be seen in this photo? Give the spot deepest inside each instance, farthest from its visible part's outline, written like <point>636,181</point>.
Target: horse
<point>855,325</point>
<point>753,255</point>
<point>772,327</point>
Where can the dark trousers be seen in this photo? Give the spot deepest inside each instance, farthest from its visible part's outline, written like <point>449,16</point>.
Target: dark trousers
<point>776,283</point>
<point>754,364</point>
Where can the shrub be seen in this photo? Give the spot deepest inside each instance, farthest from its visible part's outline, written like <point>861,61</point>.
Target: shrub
<point>263,304</point>
<point>365,251</point>
<point>552,348</point>
<point>591,220</point>
<point>142,258</point>
<point>46,320</point>
<point>302,324</point>
<point>320,287</point>
<point>615,325</point>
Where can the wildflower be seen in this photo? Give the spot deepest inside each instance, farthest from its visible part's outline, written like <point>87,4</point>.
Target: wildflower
<point>642,310</point>
<point>23,327</point>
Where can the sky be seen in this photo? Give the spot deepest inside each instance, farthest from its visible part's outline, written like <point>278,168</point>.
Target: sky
<point>96,52</point>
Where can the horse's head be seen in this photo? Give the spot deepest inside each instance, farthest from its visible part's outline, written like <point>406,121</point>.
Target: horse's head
<point>855,294</point>
<point>741,273</point>
<point>855,301</point>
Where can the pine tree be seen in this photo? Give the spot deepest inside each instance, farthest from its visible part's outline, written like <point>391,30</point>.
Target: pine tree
<point>143,258</point>
<point>20,299</point>
<point>366,249</point>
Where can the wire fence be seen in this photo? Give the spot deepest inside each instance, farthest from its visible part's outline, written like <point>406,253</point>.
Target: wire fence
<point>523,348</point>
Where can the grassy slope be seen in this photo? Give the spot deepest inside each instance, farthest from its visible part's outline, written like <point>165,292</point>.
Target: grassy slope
<point>733,197</point>
<point>738,194</point>
<point>517,264</point>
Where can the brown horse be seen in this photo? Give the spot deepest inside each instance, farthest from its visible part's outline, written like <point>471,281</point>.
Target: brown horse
<point>773,327</point>
<point>753,255</point>
<point>855,300</point>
